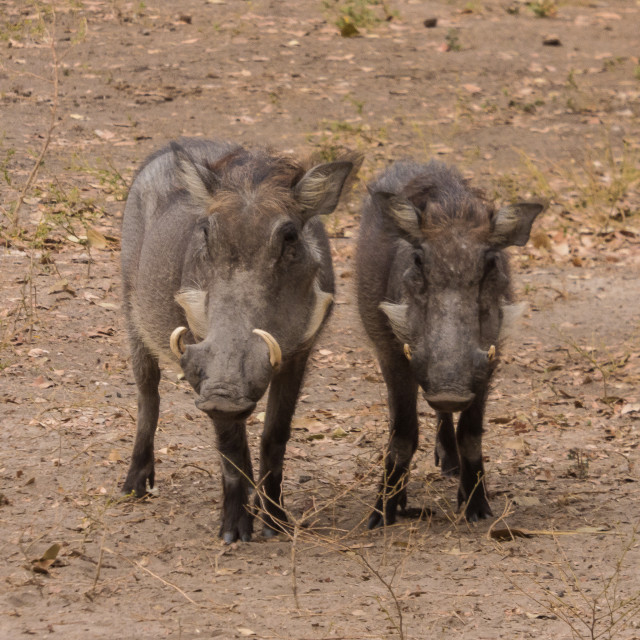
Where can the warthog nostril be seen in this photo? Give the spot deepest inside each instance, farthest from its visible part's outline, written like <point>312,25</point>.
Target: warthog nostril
<point>176,341</point>
<point>275,353</point>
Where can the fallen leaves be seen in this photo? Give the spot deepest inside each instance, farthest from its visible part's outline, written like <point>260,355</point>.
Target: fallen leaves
<point>473,89</point>
<point>41,382</point>
<point>95,239</point>
<point>633,408</point>
<point>62,286</point>
<point>549,407</point>
<point>101,332</point>
<point>47,560</point>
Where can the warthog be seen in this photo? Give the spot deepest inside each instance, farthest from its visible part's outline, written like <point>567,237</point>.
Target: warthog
<point>433,286</point>
<point>227,270</point>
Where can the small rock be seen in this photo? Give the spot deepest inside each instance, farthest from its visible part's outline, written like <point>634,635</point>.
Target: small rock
<point>552,41</point>
<point>430,23</point>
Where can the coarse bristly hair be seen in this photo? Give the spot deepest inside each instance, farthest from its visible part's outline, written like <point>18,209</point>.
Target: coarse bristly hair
<point>259,179</point>
<point>444,197</point>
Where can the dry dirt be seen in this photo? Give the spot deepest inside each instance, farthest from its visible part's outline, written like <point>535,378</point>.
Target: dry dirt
<point>482,90</point>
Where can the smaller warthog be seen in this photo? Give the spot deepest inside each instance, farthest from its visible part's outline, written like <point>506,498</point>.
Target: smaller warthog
<point>433,286</point>
<point>227,270</point>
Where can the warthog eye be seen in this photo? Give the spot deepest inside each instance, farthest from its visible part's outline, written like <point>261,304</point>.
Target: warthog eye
<point>204,231</point>
<point>414,275</point>
<point>289,236</point>
<point>490,262</point>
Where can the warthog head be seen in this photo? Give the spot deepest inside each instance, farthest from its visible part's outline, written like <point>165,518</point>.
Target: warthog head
<point>259,281</point>
<point>454,284</point>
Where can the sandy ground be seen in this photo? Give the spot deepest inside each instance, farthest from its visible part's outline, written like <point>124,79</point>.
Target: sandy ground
<point>481,90</point>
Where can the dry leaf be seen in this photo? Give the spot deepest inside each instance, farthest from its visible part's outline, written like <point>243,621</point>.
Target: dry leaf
<point>104,135</point>
<point>347,28</point>
<point>630,408</point>
<point>36,353</point>
<point>109,305</point>
<point>48,558</point>
<point>517,444</point>
<point>510,534</point>
<point>42,383</point>
<point>62,287</point>
<point>311,425</point>
<point>527,501</point>
<point>96,239</point>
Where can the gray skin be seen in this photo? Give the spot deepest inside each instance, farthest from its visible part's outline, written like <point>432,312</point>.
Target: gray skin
<point>224,241</point>
<point>433,282</point>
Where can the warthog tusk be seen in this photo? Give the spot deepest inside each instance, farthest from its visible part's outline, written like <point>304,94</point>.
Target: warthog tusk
<point>407,351</point>
<point>275,354</point>
<point>491,354</point>
<point>176,342</point>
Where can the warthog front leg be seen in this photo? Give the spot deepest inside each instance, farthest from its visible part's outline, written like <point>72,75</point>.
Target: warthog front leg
<point>403,425</point>
<point>147,375</point>
<point>446,453</point>
<point>471,491</point>
<point>237,479</point>
<point>283,395</point>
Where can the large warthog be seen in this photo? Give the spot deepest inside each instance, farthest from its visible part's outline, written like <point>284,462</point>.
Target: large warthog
<point>433,286</point>
<point>227,270</point>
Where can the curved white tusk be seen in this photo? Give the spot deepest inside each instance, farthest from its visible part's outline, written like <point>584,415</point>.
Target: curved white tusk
<point>176,342</point>
<point>321,306</point>
<point>491,354</point>
<point>407,351</point>
<point>275,354</point>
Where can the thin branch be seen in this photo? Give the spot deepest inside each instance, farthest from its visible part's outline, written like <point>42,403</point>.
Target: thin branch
<point>100,557</point>
<point>151,573</point>
<point>15,215</point>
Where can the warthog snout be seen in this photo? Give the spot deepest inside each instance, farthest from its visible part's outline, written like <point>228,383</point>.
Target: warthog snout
<point>449,402</point>
<point>217,398</point>
<point>450,393</point>
<point>230,379</point>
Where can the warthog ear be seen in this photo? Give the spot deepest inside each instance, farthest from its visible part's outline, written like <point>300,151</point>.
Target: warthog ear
<point>318,191</point>
<point>197,179</point>
<point>397,316</point>
<point>511,225</point>
<point>404,216</point>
